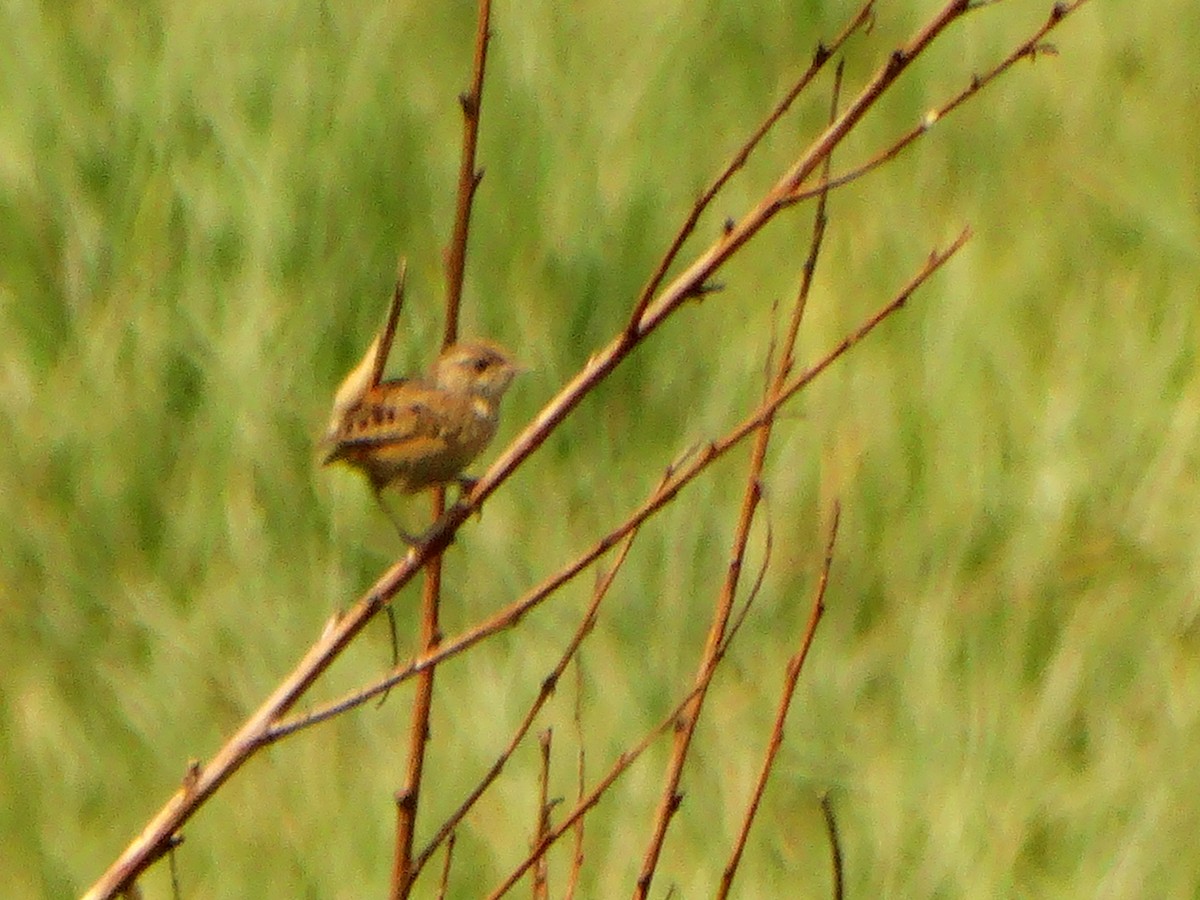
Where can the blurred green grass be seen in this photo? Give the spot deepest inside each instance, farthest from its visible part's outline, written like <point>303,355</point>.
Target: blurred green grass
<point>201,213</point>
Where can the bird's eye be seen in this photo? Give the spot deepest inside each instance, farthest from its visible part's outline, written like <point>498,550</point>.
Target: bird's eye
<point>480,365</point>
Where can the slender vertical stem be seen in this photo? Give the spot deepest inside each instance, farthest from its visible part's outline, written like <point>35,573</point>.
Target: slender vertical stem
<point>403,870</point>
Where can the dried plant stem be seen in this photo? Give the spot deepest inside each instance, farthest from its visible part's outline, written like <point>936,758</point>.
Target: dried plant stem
<point>407,800</point>
<point>541,887</point>
<point>691,282</point>
<point>468,175</point>
<point>1029,49</point>
<point>795,664</point>
<point>408,797</point>
<point>549,685</point>
<point>586,803</point>
<point>820,58</point>
<point>577,856</point>
<point>717,641</point>
<point>444,883</point>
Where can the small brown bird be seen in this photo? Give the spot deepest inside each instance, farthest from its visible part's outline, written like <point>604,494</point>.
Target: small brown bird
<point>415,433</point>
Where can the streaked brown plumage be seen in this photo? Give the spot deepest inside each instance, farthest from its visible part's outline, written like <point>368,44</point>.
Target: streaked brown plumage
<point>415,433</point>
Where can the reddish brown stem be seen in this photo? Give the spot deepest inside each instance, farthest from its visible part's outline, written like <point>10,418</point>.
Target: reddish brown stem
<point>822,55</point>
<point>717,636</point>
<point>549,684</point>
<point>795,664</point>
<point>407,800</point>
<point>468,176</point>
<point>403,871</point>
<point>541,886</point>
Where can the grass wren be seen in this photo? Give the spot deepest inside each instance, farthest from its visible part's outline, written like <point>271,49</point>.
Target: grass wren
<point>415,433</point>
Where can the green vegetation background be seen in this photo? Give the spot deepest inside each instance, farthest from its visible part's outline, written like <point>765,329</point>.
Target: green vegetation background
<point>202,206</point>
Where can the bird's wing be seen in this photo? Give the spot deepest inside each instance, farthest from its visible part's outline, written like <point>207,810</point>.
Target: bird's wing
<point>387,417</point>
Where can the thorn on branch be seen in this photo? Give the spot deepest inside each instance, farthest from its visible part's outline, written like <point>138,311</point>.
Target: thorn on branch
<point>676,802</point>
<point>820,55</point>
<point>476,178</point>
<point>469,103</point>
<point>1043,49</point>
<point>550,683</point>
<point>191,776</point>
<point>1057,12</point>
<point>727,226</point>
<point>406,800</point>
<point>702,290</point>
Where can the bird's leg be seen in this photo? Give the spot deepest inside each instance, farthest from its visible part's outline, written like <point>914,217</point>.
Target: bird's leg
<point>377,490</point>
<point>466,484</point>
<point>410,540</point>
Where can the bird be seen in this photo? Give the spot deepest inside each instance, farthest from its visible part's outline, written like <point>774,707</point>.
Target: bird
<point>419,432</point>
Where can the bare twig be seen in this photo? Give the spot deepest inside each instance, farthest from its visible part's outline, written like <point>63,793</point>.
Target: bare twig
<point>541,888</point>
<point>577,856</point>
<point>444,883</point>
<point>468,176</point>
<point>456,255</point>
<point>795,664</point>
<point>1031,48</point>
<point>408,797</point>
<point>549,684</point>
<point>768,549</point>
<point>585,804</point>
<point>821,56</point>
<point>718,635</point>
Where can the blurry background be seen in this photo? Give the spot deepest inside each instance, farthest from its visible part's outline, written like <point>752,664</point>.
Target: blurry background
<point>202,208</point>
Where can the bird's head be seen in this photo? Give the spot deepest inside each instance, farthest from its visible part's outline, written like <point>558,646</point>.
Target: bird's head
<point>480,368</point>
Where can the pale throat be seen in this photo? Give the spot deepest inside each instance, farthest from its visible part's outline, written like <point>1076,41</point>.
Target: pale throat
<point>481,407</point>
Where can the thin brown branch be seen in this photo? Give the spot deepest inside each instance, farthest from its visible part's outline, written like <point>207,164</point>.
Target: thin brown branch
<point>444,882</point>
<point>549,684</point>
<point>541,888</point>
<point>468,176</point>
<point>716,642</point>
<point>456,257</point>
<point>577,855</point>
<point>585,804</point>
<point>407,799</point>
<point>821,56</point>
<point>768,550</point>
<point>795,664</point>
<point>692,280</point>
<point>1030,49</point>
